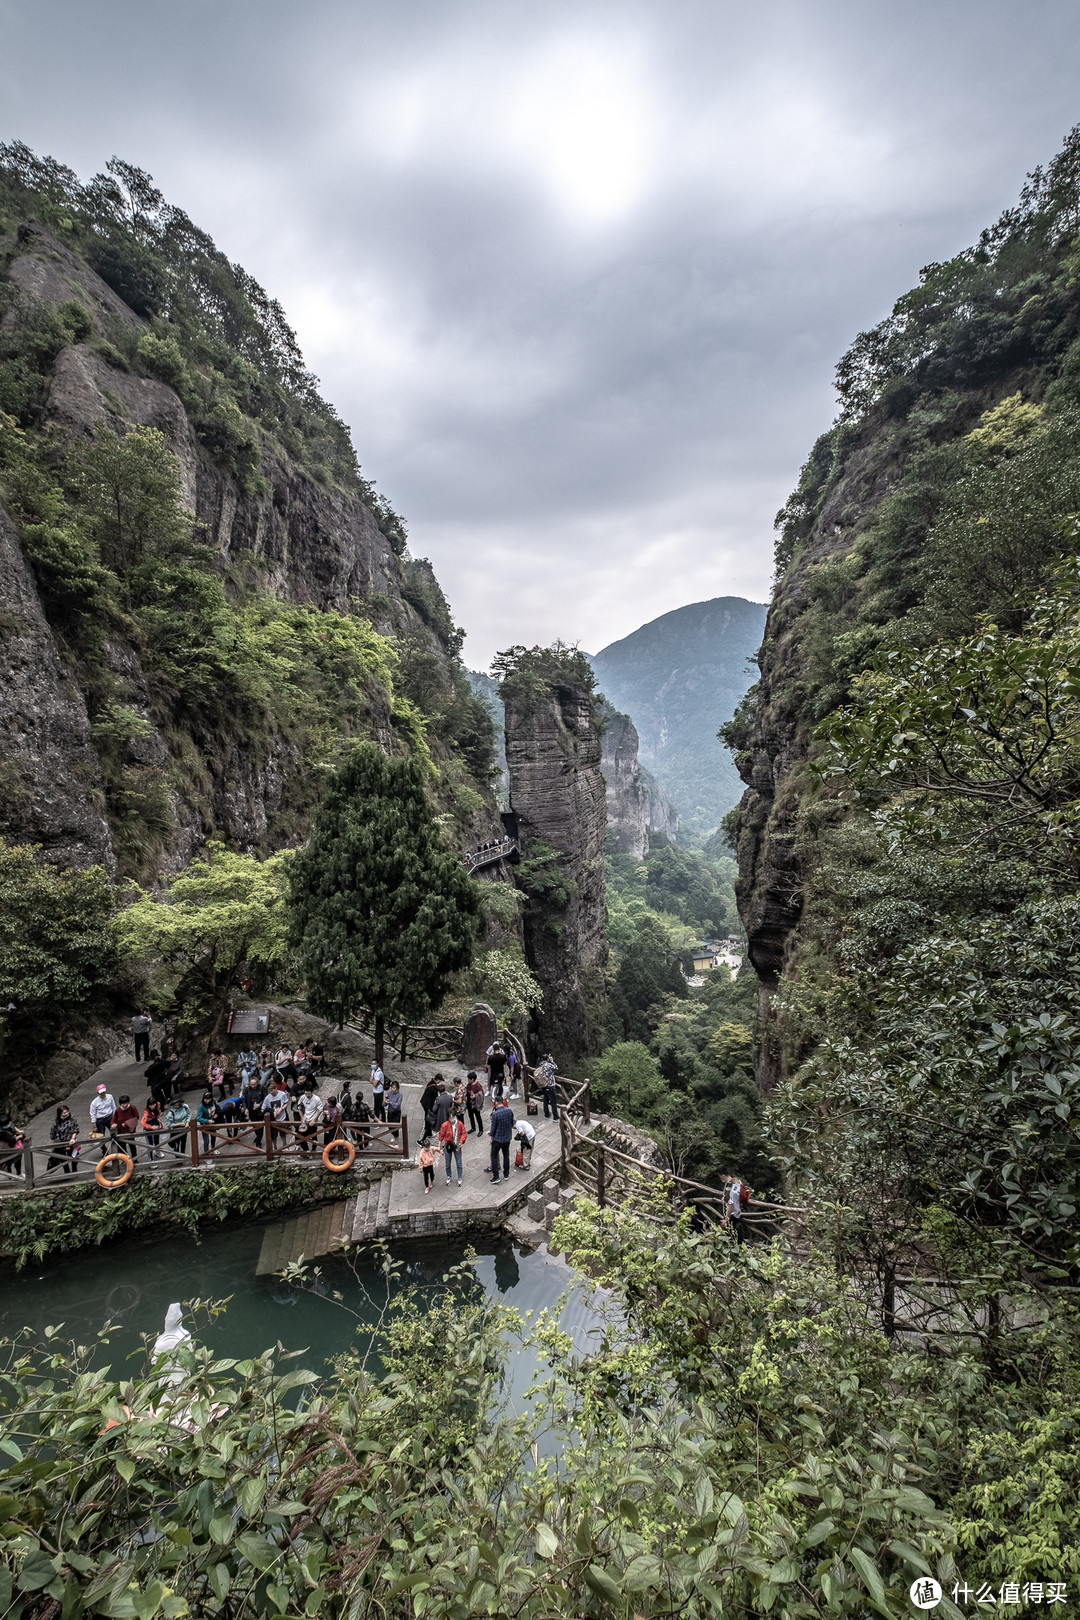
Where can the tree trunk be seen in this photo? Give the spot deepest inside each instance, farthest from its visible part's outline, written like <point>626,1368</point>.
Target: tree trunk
<point>380,1033</point>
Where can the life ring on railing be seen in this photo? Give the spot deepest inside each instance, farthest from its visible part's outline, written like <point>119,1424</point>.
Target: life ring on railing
<point>114,1181</point>
<point>331,1148</point>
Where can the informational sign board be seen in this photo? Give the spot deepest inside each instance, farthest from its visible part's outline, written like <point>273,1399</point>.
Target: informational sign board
<point>250,1021</point>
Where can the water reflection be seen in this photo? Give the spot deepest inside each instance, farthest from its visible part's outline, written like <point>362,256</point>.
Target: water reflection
<point>131,1285</point>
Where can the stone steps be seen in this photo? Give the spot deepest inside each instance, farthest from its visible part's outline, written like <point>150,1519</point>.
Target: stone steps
<point>309,1236</point>
<point>371,1215</point>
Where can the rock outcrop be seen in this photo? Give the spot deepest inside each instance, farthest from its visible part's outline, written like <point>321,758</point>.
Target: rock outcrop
<point>294,538</point>
<point>553,751</point>
<point>50,777</point>
<point>636,803</point>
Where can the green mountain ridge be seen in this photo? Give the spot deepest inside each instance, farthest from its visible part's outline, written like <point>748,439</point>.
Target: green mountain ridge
<point>679,678</point>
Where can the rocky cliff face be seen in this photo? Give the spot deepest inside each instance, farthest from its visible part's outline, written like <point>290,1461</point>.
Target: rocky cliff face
<point>636,803</point>
<point>939,495</point>
<point>553,753</point>
<point>295,539</point>
<point>50,778</point>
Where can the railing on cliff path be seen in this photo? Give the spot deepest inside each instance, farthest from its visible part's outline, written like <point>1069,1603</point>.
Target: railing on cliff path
<point>474,859</point>
<point>231,1147</point>
<point>432,1043</point>
<point>613,1177</point>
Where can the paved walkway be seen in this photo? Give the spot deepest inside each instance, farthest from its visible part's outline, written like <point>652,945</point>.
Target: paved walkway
<point>123,1076</point>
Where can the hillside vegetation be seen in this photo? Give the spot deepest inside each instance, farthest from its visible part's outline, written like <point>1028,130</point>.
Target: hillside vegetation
<point>207,605</point>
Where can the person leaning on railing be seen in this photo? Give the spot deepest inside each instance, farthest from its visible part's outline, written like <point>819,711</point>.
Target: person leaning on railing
<point>124,1124</point>
<point>62,1134</point>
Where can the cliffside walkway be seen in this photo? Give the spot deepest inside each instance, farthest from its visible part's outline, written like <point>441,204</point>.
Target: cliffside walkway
<point>474,859</point>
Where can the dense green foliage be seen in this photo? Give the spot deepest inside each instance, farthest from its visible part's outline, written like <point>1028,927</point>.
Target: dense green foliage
<point>383,912</point>
<point>57,945</point>
<point>223,913</point>
<point>214,335</point>
<point>36,1227</point>
<point>528,676</point>
<point>191,666</point>
<point>740,1440</point>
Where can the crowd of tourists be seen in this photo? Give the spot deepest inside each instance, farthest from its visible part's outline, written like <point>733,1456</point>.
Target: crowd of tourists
<point>288,1091</point>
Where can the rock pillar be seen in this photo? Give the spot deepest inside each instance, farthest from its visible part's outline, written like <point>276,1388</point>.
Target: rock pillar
<point>553,748</point>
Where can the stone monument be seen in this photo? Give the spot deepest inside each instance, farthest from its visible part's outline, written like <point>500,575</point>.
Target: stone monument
<point>479,1033</point>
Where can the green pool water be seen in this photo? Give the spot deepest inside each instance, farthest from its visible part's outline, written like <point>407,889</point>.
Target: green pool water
<point>131,1285</point>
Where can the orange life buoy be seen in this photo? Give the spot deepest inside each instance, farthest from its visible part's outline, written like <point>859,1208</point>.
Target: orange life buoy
<point>117,1181</point>
<point>332,1148</point>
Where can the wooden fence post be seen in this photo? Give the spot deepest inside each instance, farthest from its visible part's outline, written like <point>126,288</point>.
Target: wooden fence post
<point>404,1136</point>
<point>586,1103</point>
<point>28,1164</point>
<point>404,1041</point>
<point>269,1143</point>
<point>601,1176</point>
<point>194,1129</point>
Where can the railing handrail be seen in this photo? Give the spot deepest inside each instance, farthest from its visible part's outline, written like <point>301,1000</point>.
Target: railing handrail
<point>249,1140</point>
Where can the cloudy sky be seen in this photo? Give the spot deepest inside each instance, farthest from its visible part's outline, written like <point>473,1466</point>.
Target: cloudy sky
<point>576,274</point>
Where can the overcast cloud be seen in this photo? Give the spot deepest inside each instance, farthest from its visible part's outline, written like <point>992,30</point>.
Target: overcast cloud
<point>575,274</point>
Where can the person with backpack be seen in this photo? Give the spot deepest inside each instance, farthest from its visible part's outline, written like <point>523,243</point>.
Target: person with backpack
<point>496,1069</point>
<point>453,1135</point>
<point>738,1198</point>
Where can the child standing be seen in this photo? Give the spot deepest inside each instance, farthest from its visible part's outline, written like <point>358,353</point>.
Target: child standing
<point>426,1160</point>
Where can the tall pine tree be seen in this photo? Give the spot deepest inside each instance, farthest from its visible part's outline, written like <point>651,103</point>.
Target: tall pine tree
<point>383,911</point>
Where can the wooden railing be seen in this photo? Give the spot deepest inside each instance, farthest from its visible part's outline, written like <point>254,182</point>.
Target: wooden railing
<point>195,1146</point>
<point>611,1176</point>
<point>438,1043</point>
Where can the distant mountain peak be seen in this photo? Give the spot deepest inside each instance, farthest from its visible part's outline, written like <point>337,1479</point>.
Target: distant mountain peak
<point>679,677</point>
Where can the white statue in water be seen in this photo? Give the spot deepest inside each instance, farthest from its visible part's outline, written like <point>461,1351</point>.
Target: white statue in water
<point>171,1339</point>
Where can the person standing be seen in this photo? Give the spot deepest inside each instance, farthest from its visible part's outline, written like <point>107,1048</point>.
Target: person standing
<point>378,1091</point>
<point>102,1109</point>
<point>733,1216</point>
<point>311,1111</point>
<point>151,1127</point>
<point>512,1070</point>
<point>426,1160</point>
<point>452,1135</point>
<point>474,1102</point>
<point>550,1076</point>
<point>275,1108</point>
<point>177,1120</point>
<point>427,1109</point>
<point>62,1134</point>
<point>496,1070</point>
<point>444,1105</point>
<point>501,1131</point>
<point>205,1117</point>
<point>140,1031</point>
<point>124,1123</point>
<point>331,1119</point>
<point>393,1101</point>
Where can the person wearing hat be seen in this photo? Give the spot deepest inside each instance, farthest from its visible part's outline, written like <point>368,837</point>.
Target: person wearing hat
<point>378,1091</point>
<point>102,1109</point>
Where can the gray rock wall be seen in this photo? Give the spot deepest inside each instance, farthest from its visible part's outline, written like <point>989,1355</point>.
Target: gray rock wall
<point>557,789</point>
